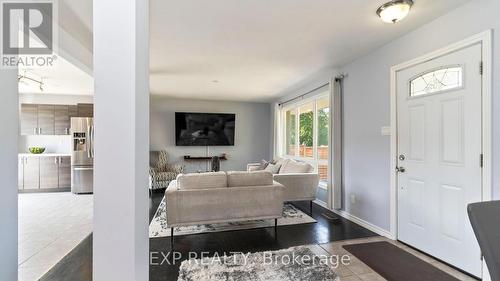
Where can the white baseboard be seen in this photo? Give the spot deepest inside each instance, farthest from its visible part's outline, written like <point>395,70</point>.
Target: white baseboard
<point>356,220</point>
<point>365,224</point>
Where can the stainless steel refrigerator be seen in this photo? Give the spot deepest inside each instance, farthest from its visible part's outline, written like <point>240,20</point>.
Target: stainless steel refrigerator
<point>82,160</point>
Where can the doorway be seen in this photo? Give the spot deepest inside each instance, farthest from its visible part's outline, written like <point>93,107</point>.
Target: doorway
<point>439,150</point>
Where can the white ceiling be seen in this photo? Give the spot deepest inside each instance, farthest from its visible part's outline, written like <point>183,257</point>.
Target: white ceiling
<point>64,78</point>
<point>257,49</point>
<point>70,74</point>
<point>253,50</point>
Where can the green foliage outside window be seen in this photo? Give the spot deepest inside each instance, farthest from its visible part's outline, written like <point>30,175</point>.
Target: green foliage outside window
<point>323,124</point>
<point>306,128</point>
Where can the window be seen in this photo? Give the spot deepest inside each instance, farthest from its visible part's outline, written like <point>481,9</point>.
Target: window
<point>306,131</point>
<point>437,80</point>
<point>323,132</point>
<point>291,132</point>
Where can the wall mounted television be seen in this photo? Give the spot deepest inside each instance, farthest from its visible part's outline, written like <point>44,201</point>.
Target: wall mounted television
<point>204,129</point>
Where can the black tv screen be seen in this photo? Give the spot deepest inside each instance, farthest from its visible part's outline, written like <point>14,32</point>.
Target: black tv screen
<point>204,129</point>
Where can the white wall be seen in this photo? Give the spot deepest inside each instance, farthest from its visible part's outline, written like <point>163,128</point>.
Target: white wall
<point>252,134</point>
<point>366,105</point>
<point>8,174</point>
<point>59,144</point>
<point>54,99</point>
<point>121,74</point>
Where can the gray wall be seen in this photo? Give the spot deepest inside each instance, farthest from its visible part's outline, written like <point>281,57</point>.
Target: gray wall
<point>251,138</point>
<point>367,109</point>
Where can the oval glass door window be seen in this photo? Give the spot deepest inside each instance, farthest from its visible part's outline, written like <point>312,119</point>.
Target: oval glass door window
<point>437,80</point>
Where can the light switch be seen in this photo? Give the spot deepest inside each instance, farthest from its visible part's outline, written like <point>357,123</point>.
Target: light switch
<point>385,131</point>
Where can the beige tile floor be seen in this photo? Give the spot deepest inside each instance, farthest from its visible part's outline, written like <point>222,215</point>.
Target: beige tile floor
<point>50,226</point>
<point>358,271</point>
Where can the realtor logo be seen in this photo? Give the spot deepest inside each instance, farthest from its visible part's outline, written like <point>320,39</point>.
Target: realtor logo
<point>27,33</point>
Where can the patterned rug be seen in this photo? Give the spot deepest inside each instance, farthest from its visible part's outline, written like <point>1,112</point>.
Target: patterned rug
<point>297,263</point>
<point>158,226</point>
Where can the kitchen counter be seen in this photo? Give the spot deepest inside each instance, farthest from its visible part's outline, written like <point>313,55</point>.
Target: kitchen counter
<point>48,154</point>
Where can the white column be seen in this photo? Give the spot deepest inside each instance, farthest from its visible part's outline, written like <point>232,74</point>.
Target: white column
<point>121,72</point>
<point>9,112</point>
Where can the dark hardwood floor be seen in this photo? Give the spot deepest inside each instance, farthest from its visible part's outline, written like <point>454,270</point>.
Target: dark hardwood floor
<point>77,265</point>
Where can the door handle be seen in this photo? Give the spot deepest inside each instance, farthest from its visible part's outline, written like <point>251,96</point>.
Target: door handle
<point>83,169</point>
<point>400,169</point>
<point>93,137</point>
<point>87,142</point>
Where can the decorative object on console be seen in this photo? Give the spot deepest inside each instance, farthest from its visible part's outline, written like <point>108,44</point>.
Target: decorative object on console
<point>215,164</point>
<point>162,173</point>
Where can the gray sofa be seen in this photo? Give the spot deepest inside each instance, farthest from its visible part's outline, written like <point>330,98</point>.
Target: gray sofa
<point>218,197</point>
<point>299,178</point>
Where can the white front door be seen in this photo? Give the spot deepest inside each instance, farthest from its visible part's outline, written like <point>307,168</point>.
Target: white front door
<point>439,156</point>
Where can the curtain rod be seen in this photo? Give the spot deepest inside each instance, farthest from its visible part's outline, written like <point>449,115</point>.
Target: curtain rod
<point>338,78</point>
<point>302,96</point>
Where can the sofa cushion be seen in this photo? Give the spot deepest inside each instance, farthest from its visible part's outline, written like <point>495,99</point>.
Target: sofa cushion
<point>293,166</point>
<point>202,180</point>
<point>255,178</point>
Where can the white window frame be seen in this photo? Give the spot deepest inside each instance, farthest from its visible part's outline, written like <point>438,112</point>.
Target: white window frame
<point>314,160</point>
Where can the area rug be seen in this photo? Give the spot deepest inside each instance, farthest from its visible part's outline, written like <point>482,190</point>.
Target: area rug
<point>297,263</point>
<point>395,264</point>
<point>158,226</point>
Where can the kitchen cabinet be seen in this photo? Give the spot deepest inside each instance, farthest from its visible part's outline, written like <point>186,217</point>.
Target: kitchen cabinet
<point>46,116</point>
<point>29,119</point>
<point>49,170</point>
<point>85,110</point>
<point>20,173</point>
<point>44,172</point>
<point>31,173</point>
<point>64,172</point>
<point>72,111</point>
<point>61,120</point>
<point>49,119</point>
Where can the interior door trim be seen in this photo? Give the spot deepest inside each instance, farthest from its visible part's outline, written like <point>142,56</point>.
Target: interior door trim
<point>485,39</point>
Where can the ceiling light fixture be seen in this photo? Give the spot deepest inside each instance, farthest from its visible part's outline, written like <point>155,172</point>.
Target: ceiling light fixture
<point>22,77</point>
<point>395,10</point>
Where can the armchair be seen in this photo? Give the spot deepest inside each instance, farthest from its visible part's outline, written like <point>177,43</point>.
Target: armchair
<point>162,173</point>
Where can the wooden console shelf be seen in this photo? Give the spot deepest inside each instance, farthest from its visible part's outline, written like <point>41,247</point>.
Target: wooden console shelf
<point>203,158</point>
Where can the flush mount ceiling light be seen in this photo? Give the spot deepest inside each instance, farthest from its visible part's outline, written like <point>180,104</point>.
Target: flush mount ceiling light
<point>395,10</point>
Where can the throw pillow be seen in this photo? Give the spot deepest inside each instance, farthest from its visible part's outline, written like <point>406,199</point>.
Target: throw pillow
<point>273,168</point>
<point>263,164</point>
